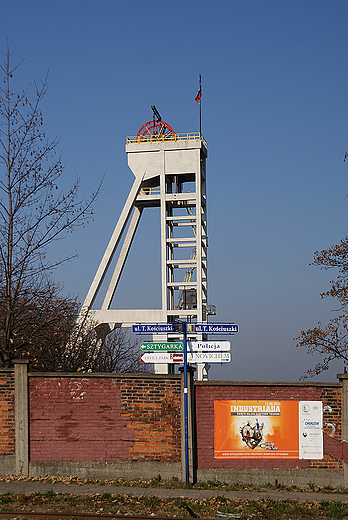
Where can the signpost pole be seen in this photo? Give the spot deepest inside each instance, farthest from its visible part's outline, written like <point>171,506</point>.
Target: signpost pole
<point>165,350</point>
<point>186,407</point>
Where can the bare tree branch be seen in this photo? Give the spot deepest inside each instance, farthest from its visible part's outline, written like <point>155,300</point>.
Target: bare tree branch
<point>330,342</point>
<point>120,353</point>
<point>34,211</point>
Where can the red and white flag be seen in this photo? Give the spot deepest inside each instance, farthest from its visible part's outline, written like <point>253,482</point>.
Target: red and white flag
<point>199,95</point>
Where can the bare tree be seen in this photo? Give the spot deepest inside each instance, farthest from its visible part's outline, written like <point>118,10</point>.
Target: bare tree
<point>34,211</point>
<point>47,334</point>
<point>120,353</point>
<point>330,341</point>
<point>44,322</point>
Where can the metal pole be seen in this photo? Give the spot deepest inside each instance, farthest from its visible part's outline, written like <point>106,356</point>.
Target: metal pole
<point>200,108</point>
<point>186,406</point>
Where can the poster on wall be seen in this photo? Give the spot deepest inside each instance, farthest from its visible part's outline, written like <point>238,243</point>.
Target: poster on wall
<point>267,429</point>
<point>311,429</point>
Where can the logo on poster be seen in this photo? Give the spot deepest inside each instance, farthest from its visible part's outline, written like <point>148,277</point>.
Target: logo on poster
<point>255,409</point>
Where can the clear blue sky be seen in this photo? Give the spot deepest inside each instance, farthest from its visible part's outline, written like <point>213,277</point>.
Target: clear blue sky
<point>275,116</point>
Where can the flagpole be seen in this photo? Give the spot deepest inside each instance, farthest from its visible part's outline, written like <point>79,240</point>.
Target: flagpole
<point>200,107</point>
<point>198,100</point>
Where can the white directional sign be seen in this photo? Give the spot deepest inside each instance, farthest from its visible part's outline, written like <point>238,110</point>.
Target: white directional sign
<point>192,357</point>
<point>208,357</point>
<point>209,346</point>
<point>162,357</point>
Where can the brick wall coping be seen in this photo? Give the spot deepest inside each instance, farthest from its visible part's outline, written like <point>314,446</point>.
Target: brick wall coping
<point>84,375</point>
<point>267,383</point>
<point>6,370</point>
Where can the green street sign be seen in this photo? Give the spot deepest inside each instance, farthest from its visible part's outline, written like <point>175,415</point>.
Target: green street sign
<point>168,346</point>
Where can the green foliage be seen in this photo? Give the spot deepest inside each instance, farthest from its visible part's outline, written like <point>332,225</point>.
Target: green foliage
<point>215,483</point>
<point>156,480</point>
<point>281,508</point>
<point>291,488</point>
<point>175,506</point>
<point>150,501</point>
<point>333,509</point>
<point>7,498</point>
<point>49,494</point>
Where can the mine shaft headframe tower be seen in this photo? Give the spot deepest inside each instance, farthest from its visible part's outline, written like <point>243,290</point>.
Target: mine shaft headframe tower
<point>174,179</point>
<point>170,173</point>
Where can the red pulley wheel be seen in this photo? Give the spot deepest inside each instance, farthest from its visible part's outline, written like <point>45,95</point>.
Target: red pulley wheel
<point>153,131</point>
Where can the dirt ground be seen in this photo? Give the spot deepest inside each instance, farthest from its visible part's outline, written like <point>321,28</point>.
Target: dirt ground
<point>171,499</point>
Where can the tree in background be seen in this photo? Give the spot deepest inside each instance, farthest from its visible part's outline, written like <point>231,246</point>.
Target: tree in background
<point>46,333</point>
<point>330,342</point>
<point>120,353</point>
<point>34,212</point>
<point>36,321</point>
<point>43,324</point>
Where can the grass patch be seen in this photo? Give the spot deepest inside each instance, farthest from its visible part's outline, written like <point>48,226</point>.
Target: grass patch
<point>106,496</point>
<point>49,494</point>
<point>122,504</point>
<point>6,499</point>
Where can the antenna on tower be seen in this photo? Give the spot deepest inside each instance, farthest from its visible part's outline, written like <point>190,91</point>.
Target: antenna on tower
<point>156,117</point>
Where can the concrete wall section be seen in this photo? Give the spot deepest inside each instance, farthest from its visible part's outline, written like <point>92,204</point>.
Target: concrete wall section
<point>300,477</point>
<point>106,470</point>
<point>21,416</point>
<point>7,464</point>
<point>146,157</point>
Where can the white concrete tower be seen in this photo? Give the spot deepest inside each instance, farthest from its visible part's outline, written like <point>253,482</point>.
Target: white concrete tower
<point>170,173</point>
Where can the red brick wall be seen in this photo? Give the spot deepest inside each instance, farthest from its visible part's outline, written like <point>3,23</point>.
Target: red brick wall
<point>120,418</point>
<point>207,393</point>
<point>133,418</point>
<point>152,411</point>
<point>7,417</point>
<point>331,396</point>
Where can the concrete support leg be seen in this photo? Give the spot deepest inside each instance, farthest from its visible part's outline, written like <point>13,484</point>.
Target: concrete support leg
<point>21,417</point>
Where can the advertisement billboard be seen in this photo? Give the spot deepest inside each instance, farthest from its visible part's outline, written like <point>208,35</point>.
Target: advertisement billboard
<point>311,428</point>
<point>267,429</point>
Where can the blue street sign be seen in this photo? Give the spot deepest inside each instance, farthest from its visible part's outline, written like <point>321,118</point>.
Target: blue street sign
<point>213,328</point>
<point>157,328</point>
